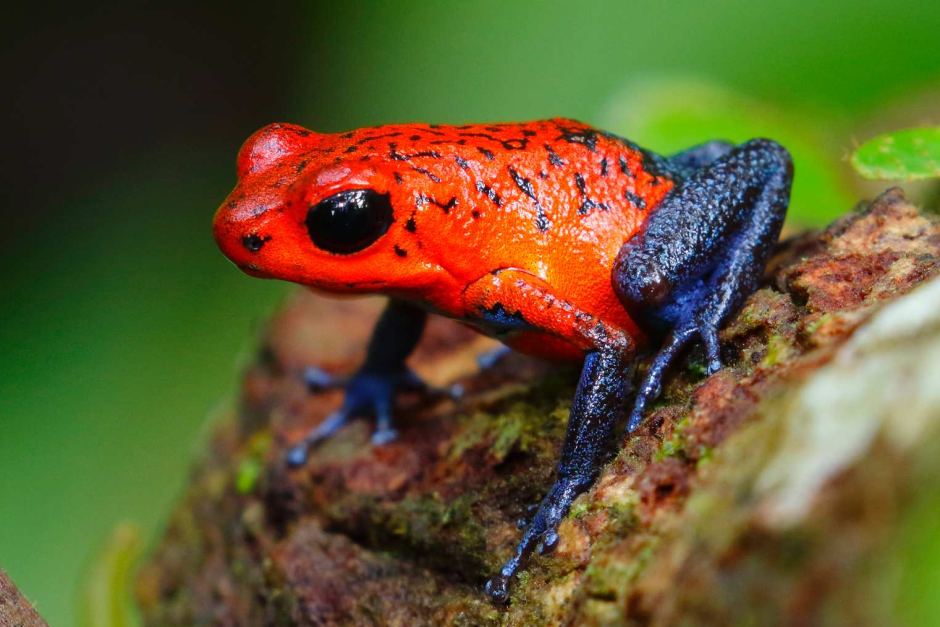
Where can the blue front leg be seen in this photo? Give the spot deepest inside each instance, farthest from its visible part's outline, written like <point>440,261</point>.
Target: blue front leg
<point>371,391</point>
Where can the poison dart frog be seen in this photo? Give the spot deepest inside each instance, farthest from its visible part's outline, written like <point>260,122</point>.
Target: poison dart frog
<point>559,239</point>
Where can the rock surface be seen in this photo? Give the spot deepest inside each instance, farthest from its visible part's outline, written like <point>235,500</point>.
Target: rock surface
<point>15,610</point>
<point>795,486</point>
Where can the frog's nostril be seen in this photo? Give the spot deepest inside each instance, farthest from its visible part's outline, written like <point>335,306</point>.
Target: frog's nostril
<point>254,242</point>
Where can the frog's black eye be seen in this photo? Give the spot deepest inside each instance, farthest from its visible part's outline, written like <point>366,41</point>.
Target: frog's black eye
<point>349,221</point>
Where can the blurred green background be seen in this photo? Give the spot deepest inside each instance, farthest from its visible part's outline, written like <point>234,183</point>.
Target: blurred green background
<point>121,323</point>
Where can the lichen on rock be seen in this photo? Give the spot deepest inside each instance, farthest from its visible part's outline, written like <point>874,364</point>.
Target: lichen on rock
<point>774,491</point>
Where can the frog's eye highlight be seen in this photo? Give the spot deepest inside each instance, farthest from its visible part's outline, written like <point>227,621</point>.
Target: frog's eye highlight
<point>349,221</point>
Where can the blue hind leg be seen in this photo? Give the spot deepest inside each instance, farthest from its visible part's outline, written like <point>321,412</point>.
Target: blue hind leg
<point>703,251</point>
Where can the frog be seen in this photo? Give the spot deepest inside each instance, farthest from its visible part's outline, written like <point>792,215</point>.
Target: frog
<point>559,239</point>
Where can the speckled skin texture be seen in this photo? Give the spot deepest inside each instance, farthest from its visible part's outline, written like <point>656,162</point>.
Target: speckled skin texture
<point>554,237</point>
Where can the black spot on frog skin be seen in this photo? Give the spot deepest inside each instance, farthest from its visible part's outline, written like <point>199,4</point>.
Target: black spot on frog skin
<point>415,138</point>
<point>427,173</point>
<point>586,204</point>
<point>579,181</point>
<point>397,156</point>
<point>398,178</point>
<point>553,157</point>
<point>401,252</point>
<point>352,149</point>
<point>604,166</point>
<point>528,133</point>
<point>624,166</point>
<point>253,242</point>
<point>370,138</point>
<point>635,200</point>
<point>424,199</point>
<point>500,321</point>
<point>411,226</point>
<point>515,144</point>
<point>474,213</point>
<point>463,163</point>
<point>525,185</point>
<point>488,191</point>
<point>486,153</point>
<point>586,137</point>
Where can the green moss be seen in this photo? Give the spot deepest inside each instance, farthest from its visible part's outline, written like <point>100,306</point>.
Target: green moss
<point>580,508</point>
<point>676,444</point>
<point>520,426</point>
<point>812,327</point>
<point>246,477</point>
<point>779,350</point>
<point>250,467</point>
<point>608,577</point>
<point>441,534</point>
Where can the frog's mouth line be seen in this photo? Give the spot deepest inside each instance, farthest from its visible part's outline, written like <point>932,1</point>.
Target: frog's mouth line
<point>253,270</point>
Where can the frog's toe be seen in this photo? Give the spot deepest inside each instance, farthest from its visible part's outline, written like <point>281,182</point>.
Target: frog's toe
<point>384,436</point>
<point>319,380</point>
<point>709,335</point>
<point>490,358</point>
<point>497,588</point>
<point>298,454</point>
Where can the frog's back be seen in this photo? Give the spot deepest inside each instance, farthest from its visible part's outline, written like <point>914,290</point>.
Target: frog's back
<point>555,198</point>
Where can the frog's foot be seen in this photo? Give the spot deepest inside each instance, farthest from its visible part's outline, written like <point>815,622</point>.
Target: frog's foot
<point>367,394</point>
<point>319,380</point>
<point>541,534</point>
<point>678,339</point>
<point>490,358</point>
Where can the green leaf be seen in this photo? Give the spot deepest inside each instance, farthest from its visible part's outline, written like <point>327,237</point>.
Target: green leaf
<point>905,155</point>
<point>107,600</point>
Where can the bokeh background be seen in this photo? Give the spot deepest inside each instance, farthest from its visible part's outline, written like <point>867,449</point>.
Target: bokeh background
<point>121,325</point>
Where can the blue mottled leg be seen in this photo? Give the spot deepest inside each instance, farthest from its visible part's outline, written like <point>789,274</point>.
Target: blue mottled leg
<point>698,157</point>
<point>598,404</point>
<point>371,391</point>
<point>703,252</point>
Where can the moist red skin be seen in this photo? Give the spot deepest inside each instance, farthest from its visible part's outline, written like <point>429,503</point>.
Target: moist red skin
<point>553,199</point>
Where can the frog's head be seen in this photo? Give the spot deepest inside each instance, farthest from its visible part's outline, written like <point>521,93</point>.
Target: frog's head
<point>303,212</point>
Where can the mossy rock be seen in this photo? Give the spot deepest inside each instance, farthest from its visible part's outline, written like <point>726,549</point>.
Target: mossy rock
<point>778,490</point>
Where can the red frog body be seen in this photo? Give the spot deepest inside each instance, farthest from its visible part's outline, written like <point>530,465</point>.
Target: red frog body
<point>561,240</point>
<point>555,200</point>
